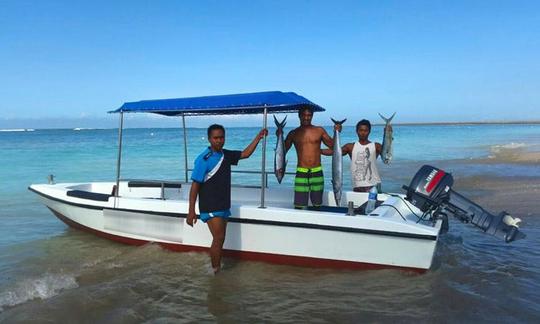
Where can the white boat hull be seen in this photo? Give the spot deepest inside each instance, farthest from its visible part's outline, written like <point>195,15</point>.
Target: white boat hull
<point>276,233</point>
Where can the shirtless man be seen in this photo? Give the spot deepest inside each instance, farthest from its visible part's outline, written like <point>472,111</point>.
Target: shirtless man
<point>309,181</point>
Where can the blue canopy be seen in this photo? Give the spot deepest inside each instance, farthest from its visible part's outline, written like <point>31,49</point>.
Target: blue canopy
<point>246,103</point>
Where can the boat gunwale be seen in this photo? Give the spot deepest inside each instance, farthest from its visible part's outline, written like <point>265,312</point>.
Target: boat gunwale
<point>240,220</point>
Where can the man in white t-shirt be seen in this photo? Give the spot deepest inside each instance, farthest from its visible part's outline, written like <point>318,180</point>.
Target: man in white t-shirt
<point>363,154</point>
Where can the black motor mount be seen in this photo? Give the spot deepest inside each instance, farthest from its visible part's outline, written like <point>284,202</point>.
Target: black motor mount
<point>431,191</point>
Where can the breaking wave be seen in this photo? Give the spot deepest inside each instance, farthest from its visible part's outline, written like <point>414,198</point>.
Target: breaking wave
<point>513,153</point>
<point>42,287</point>
<point>508,146</point>
<point>17,130</point>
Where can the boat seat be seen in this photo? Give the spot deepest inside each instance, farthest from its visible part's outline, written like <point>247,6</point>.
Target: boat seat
<point>329,209</point>
<point>153,184</point>
<point>88,195</point>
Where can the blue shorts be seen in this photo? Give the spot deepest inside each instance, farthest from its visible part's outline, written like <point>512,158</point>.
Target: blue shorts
<point>222,213</point>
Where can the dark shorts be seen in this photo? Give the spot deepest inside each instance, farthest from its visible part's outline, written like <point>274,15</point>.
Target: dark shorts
<point>308,184</point>
<point>362,189</point>
<point>368,188</point>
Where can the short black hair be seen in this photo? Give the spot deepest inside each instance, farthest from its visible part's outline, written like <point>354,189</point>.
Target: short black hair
<point>214,127</point>
<point>301,110</point>
<point>363,122</point>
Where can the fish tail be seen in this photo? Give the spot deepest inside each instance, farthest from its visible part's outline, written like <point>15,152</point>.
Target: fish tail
<point>283,122</point>
<point>280,124</point>
<point>338,122</point>
<point>276,121</point>
<point>387,120</point>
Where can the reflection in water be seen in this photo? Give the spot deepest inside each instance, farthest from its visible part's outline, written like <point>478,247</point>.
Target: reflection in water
<point>217,302</point>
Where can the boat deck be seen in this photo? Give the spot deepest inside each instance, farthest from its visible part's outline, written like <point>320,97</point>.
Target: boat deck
<point>172,197</point>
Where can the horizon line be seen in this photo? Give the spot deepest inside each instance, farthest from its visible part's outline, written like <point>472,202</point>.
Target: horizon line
<point>517,122</point>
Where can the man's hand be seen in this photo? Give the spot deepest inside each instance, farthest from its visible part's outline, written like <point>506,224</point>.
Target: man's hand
<point>262,133</point>
<point>337,127</point>
<point>251,147</point>
<point>191,218</point>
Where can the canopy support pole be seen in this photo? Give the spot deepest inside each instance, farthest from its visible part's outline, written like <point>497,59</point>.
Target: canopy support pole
<point>117,189</point>
<point>263,167</point>
<point>185,147</point>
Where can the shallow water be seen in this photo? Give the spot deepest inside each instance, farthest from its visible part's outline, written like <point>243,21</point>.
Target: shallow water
<point>51,273</point>
<point>76,276</point>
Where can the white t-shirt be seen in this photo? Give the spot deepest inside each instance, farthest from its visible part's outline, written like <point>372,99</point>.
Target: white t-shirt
<point>363,167</point>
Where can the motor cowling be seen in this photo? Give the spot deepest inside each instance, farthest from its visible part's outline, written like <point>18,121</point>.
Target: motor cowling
<point>429,187</point>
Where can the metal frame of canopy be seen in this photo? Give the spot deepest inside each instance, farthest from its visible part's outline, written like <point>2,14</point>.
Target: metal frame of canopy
<point>247,103</point>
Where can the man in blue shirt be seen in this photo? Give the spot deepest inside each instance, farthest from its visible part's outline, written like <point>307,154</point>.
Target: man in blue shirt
<point>211,178</point>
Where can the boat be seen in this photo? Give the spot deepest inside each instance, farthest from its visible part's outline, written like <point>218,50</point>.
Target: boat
<point>401,232</point>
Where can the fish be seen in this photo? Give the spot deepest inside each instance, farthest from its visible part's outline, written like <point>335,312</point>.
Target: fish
<point>280,164</point>
<point>388,138</point>
<point>337,164</point>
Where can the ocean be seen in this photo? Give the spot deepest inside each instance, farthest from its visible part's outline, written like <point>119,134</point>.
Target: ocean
<point>52,273</point>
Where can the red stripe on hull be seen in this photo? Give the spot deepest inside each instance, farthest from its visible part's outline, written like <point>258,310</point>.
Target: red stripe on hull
<point>243,255</point>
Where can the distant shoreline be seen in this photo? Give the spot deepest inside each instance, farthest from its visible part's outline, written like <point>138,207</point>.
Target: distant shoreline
<point>533,122</point>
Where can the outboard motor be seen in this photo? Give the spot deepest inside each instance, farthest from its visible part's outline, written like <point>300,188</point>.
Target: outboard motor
<point>431,191</point>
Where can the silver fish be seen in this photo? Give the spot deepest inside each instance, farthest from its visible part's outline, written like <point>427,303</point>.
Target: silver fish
<point>337,164</point>
<point>386,154</point>
<point>279,156</point>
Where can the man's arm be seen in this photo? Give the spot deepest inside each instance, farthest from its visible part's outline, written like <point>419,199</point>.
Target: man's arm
<point>289,141</point>
<point>326,151</point>
<point>193,193</point>
<point>253,145</point>
<point>327,140</point>
<point>347,149</point>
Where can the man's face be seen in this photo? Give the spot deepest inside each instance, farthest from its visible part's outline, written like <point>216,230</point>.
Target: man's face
<point>305,117</point>
<point>217,139</point>
<point>363,132</point>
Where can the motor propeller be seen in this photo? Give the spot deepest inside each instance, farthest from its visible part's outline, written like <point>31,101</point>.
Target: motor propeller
<point>431,191</point>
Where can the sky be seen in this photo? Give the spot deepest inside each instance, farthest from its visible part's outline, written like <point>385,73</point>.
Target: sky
<point>66,63</point>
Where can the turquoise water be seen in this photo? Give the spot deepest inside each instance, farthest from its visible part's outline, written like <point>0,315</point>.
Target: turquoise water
<point>154,153</point>
<point>90,155</point>
<point>46,268</point>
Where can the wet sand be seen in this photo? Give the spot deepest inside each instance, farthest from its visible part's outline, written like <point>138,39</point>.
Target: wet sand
<point>516,155</point>
<point>519,196</point>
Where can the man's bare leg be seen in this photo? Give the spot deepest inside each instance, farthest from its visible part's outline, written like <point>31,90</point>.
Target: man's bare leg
<point>218,227</point>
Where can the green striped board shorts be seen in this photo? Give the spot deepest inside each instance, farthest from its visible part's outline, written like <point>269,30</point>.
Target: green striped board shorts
<point>308,184</point>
